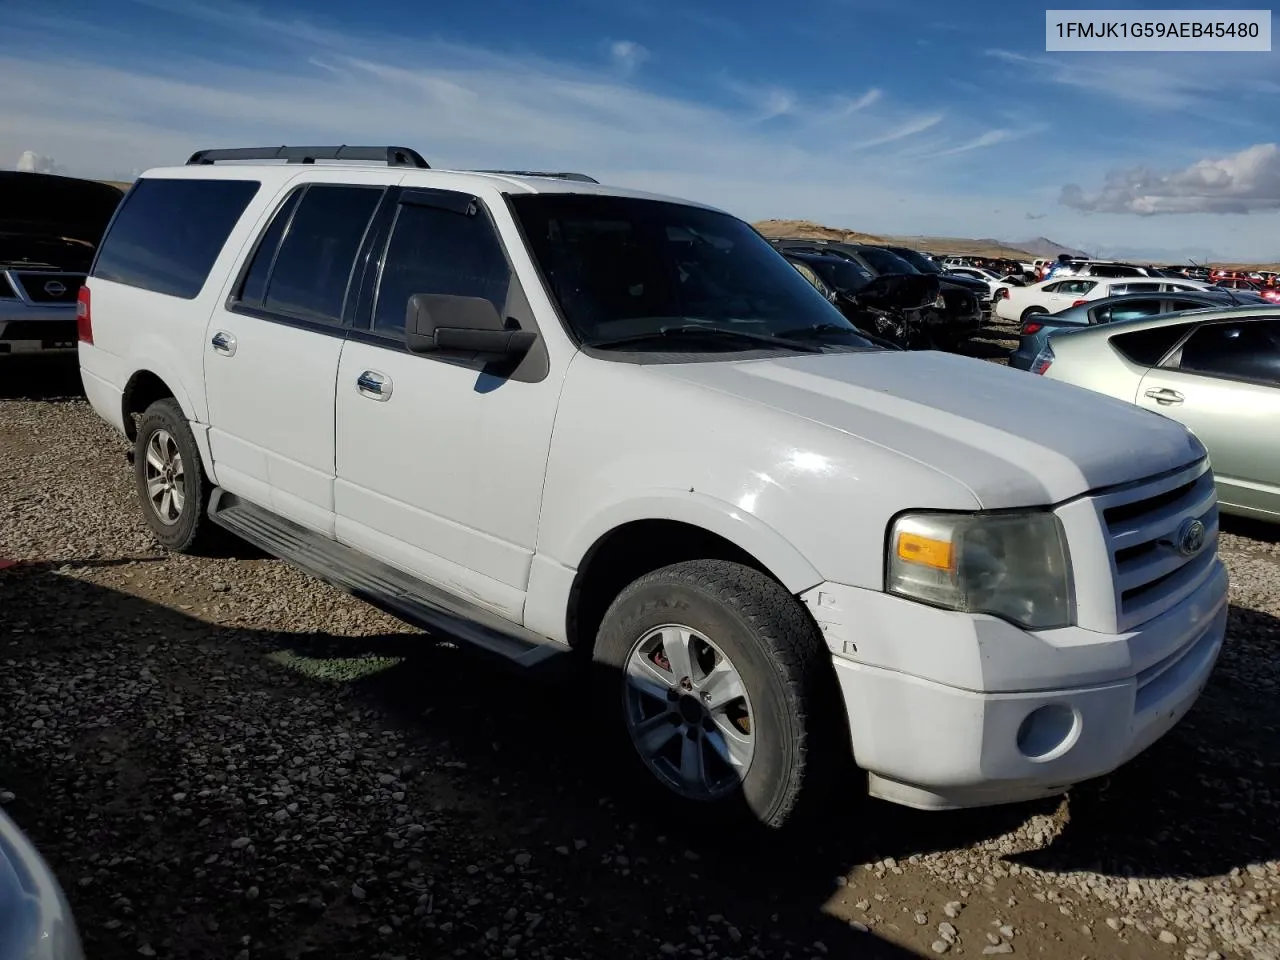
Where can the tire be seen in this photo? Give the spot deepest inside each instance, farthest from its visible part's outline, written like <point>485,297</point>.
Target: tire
<point>166,459</point>
<point>1031,312</point>
<point>798,740</point>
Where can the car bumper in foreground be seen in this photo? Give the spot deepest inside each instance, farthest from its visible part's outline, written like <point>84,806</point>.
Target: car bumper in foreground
<point>932,744</point>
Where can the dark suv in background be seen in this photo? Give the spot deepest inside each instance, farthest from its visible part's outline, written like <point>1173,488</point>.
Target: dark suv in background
<point>50,227</point>
<point>951,322</point>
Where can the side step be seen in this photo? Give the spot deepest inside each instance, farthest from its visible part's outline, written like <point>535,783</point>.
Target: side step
<point>383,586</point>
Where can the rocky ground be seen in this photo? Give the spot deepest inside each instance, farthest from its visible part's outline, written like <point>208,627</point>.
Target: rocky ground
<point>225,758</point>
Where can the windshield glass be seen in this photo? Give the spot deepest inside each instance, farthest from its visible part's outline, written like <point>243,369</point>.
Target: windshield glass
<point>885,261</point>
<point>841,274</point>
<point>622,267</point>
<point>917,260</point>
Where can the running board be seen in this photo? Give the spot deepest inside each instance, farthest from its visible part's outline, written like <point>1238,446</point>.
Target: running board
<point>378,584</point>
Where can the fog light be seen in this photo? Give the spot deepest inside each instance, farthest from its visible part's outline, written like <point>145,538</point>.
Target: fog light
<point>1048,732</point>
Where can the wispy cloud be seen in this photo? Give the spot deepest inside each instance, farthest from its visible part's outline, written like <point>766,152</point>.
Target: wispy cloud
<point>900,132</point>
<point>627,55</point>
<point>1244,182</point>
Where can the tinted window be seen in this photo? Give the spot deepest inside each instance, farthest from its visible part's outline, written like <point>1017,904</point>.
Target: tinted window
<point>434,250</point>
<point>916,259</point>
<point>1148,347</point>
<point>622,267</point>
<point>1136,288</point>
<point>313,268</point>
<point>1244,349</point>
<point>168,233</point>
<point>1128,310</point>
<point>254,287</point>
<point>842,274</point>
<point>1107,270</point>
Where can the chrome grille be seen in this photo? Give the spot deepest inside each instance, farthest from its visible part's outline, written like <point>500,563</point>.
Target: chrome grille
<point>50,287</point>
<point>1143,525</point>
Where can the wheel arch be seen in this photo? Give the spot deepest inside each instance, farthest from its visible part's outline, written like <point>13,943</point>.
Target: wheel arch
<point>631,540</point>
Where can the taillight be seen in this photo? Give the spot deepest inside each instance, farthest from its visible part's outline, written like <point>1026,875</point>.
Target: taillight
<point>84,318</point>
<point>1032,327</point>
<point>1043,360</point>
<point>1080,303</point>
<point>1003,293</point>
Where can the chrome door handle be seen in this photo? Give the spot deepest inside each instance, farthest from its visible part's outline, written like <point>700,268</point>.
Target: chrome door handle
<point>1165,395</point>
<point>374,385</point>
<point>224,343</point>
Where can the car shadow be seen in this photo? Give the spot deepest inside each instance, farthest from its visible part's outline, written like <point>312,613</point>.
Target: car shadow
<point>41,376</point>
<point>1259,530</point>
<point>521,746</point>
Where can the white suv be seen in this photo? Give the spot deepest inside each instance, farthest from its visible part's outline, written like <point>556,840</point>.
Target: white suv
<point>551,418</point>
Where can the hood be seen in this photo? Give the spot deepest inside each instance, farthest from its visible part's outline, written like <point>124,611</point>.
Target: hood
<point>40,204</point>
<point>967,283</point>
<point>1013,439</point>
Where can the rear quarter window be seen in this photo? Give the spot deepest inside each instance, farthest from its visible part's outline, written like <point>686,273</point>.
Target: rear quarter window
<point>1148,347</point>
<point>167,233</point>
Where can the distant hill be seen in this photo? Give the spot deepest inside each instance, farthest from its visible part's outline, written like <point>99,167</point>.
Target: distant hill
<point>808,230</point>
<point>1044,247</point>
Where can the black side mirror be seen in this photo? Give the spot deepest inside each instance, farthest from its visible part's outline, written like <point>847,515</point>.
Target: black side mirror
<point>462,327</point>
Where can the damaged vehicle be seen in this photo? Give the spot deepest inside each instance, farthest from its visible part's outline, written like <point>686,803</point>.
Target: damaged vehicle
<point>50,227</point>
<point>894,308</point>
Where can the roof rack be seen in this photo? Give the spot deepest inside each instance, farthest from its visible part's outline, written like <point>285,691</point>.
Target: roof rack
<point>579,177</point>
<point>391,156</point>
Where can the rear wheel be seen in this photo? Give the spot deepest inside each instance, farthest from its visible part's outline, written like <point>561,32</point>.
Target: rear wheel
<point>173,490</point>
<point>716,690</point>
<point>1031,312</point>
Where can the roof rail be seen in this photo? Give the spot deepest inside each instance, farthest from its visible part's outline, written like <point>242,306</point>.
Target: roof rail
<point>391,156</point>
<point>579,177</point>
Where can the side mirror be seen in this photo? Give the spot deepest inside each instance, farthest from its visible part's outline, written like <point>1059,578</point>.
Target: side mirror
<point>462,326</point>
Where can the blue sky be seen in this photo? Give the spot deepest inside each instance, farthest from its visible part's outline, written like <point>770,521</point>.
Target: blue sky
<point>889,116</point>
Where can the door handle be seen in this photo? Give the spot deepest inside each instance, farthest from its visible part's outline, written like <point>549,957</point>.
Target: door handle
<point>1165,396</point>
<point>224,343</point>
<point>374,385</point>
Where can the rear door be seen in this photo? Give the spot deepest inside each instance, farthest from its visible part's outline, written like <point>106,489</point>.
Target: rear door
<point>1223,382</point>
<point>272,349</point>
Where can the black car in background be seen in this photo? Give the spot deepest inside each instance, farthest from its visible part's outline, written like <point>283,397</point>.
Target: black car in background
<point>926,264</point>
<point>893,308</point>
<point>955,316</point>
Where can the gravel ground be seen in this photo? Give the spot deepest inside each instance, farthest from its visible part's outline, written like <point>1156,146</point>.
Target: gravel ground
<point>225,758</point>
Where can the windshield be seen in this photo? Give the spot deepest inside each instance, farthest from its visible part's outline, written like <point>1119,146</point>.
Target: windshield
<point>843,275</point>
<point>917,260</point>
<point>622,267</point>
<point>885,261</point>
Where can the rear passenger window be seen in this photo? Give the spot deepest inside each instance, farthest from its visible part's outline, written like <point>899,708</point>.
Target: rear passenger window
<point>1129,310</point>
<point>1148,347</point>
<point>168,233</point>
<point>312,270</point>
<point>451,249</point>
<point>254,288</point>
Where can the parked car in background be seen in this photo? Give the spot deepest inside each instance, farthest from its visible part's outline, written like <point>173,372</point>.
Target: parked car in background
<point>993,281</point>
<point>35,918</point>
<point>643,445</point>
<point>50,227</point>
<point>1215,371</point>
<point>1050,296</point>
<point>888,306</point>
<point>1269,293</point>
<point>926,264</point>
<point>956,317</point>
<point>1037,329</point>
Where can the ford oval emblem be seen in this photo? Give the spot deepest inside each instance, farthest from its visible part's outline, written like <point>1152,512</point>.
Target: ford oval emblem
<point>1191,537</point>
<point>55,288</point>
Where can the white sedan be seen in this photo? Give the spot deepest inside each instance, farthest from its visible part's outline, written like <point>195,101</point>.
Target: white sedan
<point>993,280</point>
<point>1016,304</point>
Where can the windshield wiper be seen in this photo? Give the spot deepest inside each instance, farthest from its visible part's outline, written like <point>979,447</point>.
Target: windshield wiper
<point>695,331</point>
<point>818,330</point>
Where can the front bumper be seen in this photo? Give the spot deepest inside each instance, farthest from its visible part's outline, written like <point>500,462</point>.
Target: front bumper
<point>940,704</point>
<point>27,328</point>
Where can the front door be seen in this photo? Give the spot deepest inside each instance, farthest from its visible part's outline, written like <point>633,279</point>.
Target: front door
<point>440,463</point>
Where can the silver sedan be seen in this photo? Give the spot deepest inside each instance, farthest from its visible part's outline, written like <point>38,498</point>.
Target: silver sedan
<point>1216,371</point>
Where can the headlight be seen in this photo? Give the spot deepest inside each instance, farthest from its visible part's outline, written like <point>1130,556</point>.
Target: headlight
<point>940,302</point>
<point>1013,566</point>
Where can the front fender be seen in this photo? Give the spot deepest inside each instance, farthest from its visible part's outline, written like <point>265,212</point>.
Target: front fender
<point>747,532</point>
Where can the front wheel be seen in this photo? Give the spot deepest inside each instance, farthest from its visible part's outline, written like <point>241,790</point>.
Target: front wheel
<point>717,691</point>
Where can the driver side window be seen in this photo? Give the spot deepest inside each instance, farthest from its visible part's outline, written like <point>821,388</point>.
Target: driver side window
<point>452,248</point>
